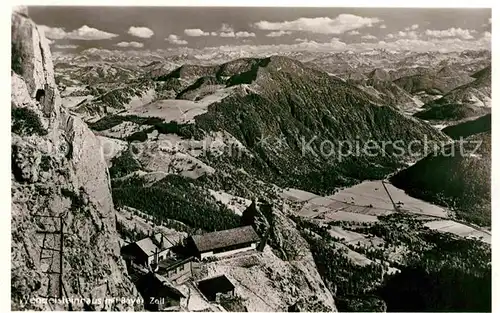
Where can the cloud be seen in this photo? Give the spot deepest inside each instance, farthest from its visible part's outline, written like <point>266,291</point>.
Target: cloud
<point>89,33</point>
<point>353,32</point>
<point>321,25</point>
<point>383,26</point>
<point>412,27</point>
<point>244,34</point>
<point>132,44</point>
<point>53,32</point>
<point>83,33</point>
<point>407,34</point>
<point>451,32</point>
<point>403,34</point>
<point>176,40</point>
<point>195,32</point>
<point>142,32</point>
<point>241,34</point>
<point>227,31</point>
<point>337,42</point>
<point>227,34</point>
<point>485,40</point>
<point>226,28</point>
<point>368,37</point>
<point>303,44</point>
<point>278,33</point>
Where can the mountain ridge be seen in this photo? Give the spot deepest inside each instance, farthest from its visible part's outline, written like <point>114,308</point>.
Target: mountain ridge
<point>57,170</point>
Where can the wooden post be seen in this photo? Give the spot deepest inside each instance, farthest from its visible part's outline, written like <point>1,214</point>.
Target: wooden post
<point>51,270</point>
<point>61,258</point>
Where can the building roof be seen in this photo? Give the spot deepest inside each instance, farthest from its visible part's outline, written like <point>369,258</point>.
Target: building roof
<point>225,238</point>
<point>170,263</point>
<point>149,244</point>
<point>153,284</point>
<point>170,239</point>
<point>167,284</point>
<point>215,285</point>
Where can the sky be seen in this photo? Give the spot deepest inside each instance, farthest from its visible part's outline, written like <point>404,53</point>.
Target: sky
<point>149,28</point>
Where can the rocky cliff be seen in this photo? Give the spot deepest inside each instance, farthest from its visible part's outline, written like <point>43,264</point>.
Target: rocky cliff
<point>58,176</point>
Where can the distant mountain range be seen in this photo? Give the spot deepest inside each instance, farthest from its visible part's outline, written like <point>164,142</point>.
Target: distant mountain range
<point>333,62</point>
<point>470,99</point>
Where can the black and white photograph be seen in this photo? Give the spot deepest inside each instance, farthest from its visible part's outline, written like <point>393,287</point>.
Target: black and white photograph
<point>250,159</point>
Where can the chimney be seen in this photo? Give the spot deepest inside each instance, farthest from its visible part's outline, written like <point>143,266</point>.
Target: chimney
<point>154,239</point>
<point>154,264</point>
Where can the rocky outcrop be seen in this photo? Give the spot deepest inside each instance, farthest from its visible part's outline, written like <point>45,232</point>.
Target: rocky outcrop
<point>289,261</point>
<point>58,176</point>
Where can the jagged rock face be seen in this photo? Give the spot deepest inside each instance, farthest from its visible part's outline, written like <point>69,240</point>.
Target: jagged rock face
<point>57,170</point>
<point>297,276</point>
<point>30,54</point>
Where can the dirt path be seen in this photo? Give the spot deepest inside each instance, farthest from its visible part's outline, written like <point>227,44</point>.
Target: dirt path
<point>390,198</point>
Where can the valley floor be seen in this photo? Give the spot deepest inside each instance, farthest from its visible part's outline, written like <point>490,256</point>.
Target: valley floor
<point>368,200</point>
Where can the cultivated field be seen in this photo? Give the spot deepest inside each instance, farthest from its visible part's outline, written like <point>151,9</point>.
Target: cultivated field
<point>366,201</point>
<point>369,198</point>
<point>182,111</point>
<point>459,229</point>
